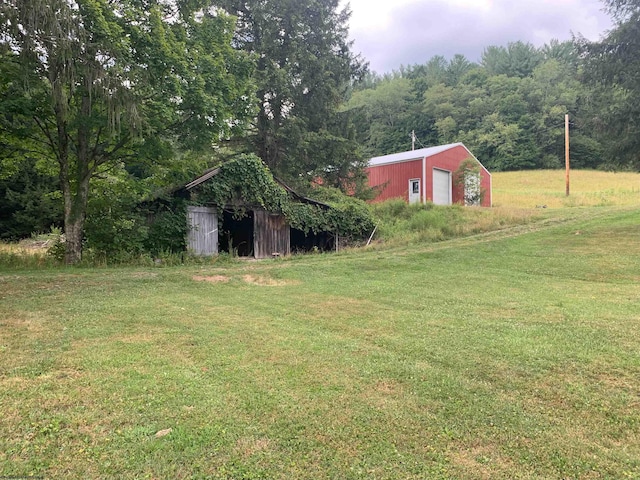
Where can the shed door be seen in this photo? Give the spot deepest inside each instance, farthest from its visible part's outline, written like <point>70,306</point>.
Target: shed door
<point>414,190</point>
<point>203,231</point>
<point>271,234</point>
<point>441,187</point>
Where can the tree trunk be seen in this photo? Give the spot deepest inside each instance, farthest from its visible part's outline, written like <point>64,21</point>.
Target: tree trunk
<point>73,246</point>
<point>75,209</point>
<point>75,202</point>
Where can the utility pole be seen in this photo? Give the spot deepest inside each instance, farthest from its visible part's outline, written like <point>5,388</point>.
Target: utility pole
<point>413,140</point>
<point>566,151</point>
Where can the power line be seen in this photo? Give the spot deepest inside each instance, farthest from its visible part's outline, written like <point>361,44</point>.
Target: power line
<point>414,139</point>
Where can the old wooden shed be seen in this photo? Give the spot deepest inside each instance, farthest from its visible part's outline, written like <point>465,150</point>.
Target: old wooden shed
<point>244,228</point>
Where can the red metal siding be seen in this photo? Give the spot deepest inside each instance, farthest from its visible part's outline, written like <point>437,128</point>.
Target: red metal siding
<point>396,176</point>
<point>393,179</point>
<point>485,188</point>
<point>450,160</point>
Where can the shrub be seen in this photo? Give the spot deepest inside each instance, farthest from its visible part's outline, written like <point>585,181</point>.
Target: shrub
<point>168,229</point>
<point>118,236</point>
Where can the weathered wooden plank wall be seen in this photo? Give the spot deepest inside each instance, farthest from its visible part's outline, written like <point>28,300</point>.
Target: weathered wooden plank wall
<point>202,238</point>
<point>271,234</point>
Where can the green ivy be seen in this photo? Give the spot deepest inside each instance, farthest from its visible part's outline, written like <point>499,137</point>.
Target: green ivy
<point>467,177</point>
<point>241,183</point>
<point>246,182</point>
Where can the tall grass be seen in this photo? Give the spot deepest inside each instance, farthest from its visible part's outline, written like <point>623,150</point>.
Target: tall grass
<point>401,223</point>
<point>17,256</point>
<point>588,188</point>
<point>518,198</point>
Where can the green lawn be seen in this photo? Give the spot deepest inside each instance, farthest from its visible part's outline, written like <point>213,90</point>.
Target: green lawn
<point>513,354</point>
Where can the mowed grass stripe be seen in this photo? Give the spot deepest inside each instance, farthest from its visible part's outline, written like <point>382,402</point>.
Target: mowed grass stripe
<point>512,357</point>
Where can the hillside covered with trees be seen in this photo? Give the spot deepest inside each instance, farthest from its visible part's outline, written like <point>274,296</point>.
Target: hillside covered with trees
<point>103,103</point>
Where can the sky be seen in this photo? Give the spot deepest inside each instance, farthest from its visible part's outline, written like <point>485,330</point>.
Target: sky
<point>390,33</point>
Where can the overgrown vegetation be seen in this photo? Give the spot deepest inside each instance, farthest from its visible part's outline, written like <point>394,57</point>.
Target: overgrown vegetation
<point>520,198</point>
<point>94,87</point>
<point>247,181</point>
<point>404,224</point>
<point>467,178</point>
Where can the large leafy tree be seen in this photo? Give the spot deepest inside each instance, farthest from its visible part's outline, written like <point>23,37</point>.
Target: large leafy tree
<point>386,111</point>
<point>517,59</point>
<point>614,65</point>
<point>100,84</point>
<point>304,69</point>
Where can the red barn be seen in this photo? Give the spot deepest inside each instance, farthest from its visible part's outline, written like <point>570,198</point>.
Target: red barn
<point>428,175</point>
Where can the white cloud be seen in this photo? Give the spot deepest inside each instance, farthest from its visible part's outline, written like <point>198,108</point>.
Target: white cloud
<point>412,31</point>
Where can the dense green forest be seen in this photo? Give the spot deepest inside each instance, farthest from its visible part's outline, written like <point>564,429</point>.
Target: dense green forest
<point>103,103</point>
<point>509,109</point>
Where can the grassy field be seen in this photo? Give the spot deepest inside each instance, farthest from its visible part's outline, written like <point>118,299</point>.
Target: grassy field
<point>505,354</point>
<point>589,188</point>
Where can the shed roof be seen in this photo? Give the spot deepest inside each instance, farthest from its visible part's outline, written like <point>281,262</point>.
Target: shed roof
<point>420,154</point>
<point>414,154</point>
<point>212,172</point>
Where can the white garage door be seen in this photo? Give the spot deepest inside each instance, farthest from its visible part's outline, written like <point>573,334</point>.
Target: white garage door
<point>441,187</point>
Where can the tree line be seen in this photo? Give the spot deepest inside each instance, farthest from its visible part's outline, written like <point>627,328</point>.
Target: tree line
<point>103,102</point>
<point>509,108</point>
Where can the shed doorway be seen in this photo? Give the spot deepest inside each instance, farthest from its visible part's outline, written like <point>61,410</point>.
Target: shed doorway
<point>441,187</point>
<point>311,242</point>
<point>236,235</point>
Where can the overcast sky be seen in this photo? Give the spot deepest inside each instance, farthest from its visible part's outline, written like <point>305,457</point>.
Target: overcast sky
<point>390,33</point>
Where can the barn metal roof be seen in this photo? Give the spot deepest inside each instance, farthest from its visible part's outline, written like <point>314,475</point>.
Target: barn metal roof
<point>420,154</point>
<point>203,178</point>
<point>413,154</point>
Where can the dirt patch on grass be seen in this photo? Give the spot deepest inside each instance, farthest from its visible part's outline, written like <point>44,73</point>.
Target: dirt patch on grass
<point>31,323</point>
<point>619,380</point>
<point>386,395</point>
<point>387,387</point>
<point>211,278</point>
<point>248,446</point>
<point>481,462</point>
